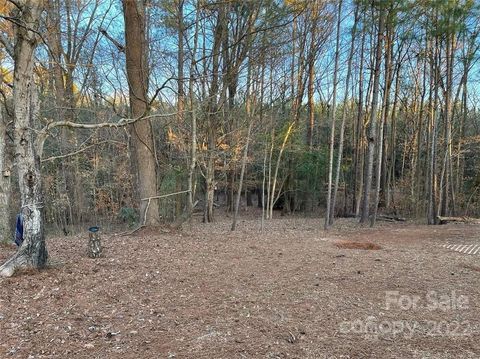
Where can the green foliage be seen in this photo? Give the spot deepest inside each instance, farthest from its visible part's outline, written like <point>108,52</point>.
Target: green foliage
<point>309,163</point>
<point>128,215</point>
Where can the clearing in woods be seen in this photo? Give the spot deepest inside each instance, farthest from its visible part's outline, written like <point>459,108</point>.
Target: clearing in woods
<point>293,291</point>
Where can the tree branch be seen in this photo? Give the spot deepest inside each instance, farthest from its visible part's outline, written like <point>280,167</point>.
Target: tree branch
<point>118,45</point>
<point>8,45</point>
<point>165,195</point>
<point>44,132</point>
<point>17,4</point>
<point>80,150</point>
<point>149,199</point>
<point>122,123</point>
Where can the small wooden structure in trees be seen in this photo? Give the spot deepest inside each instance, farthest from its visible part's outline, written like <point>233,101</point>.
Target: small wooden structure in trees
<point>94,248</point>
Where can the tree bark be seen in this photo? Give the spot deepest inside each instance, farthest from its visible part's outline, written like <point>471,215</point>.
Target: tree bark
<point>446,190</point>
<point>141,131</point>
<point>33,252</point>
<point>357,154</point>
<point>242,171</point>
<point>432,168</point>
<point>333,117</point>
<point>193,145</point>
<point>5,233</point>
<point>311,76</point>
<point>384,116</point>
<point>344,116</point>
<point>372,134</point>
<point>180,94</point>
<point>212,115</point>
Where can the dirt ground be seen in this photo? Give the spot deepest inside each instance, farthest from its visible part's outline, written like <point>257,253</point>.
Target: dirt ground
<point>289,292</point>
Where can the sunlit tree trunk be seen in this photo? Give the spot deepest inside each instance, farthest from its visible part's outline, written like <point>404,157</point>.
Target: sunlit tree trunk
<point>180,94</point>
<point>447,193</point>
<point>311,76</point>
<point>357,141</point>
<point>193,114</point>
<point>372,133</point>
<point>5,234</point>
<point>383,117</point>
<point>333,118</point>
<point>344,117</point>
<point>432,170</point>
<point>33,252</point>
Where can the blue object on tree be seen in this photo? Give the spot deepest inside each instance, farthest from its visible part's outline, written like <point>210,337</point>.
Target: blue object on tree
<point>19,230</point>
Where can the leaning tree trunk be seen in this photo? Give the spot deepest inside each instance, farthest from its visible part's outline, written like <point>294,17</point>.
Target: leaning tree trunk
<point>33,252</point>
<point>141,131</point>
<point>5,234</point>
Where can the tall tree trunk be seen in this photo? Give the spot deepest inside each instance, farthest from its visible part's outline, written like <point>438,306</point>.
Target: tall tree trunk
<point>212,115</point>
<point>33,252</point>
<point>383,118</point>
<point>333,118</point>
<point>344,117</point>
<point>249,111</point>
<point>5,234</point>
<point>141,131</point>
<point>65,172</point>
<point>357,152</point>
<point>180,96</point>
<point>390,180</point>
<point>193,144</point>
<point>432,169</point>
<point>372,134</point>
<point>420,165</point>
<point>311,76</point>
<point>446,190</point>
<point>463,121</point>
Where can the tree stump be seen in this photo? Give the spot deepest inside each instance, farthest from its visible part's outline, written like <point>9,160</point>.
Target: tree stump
<point>94,248</point>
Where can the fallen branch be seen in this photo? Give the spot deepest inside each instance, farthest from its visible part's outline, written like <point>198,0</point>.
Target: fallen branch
<point>445,220</point>
<point>165,195</point>
<point>383,217</point>
<point>149,199</point>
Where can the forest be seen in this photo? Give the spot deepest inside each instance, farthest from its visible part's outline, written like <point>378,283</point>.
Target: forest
<point>145,112</point>
<point>256,178</point>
